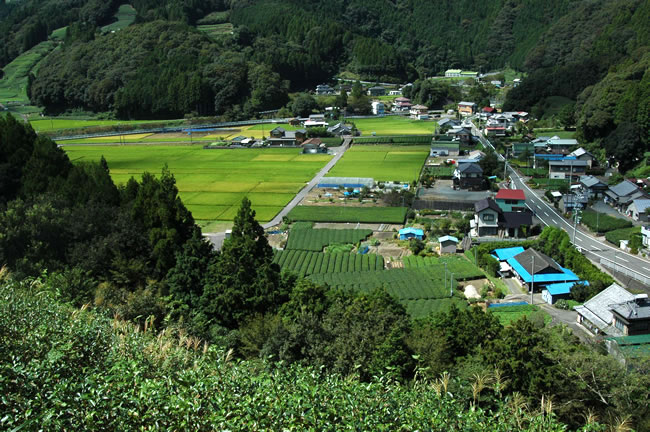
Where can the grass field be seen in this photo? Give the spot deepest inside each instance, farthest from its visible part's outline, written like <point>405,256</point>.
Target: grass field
<point>601,222</point>
<point>123,18</point>
<point>381,162</point>
<point>212,183</point>
<point>394,125</point>
<point>348,214</point>
<point>510,314</point>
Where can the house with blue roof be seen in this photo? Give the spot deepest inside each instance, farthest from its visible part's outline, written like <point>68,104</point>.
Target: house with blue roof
<point>534,268</point>
<point>411,233</point>
<point>504,254</point>
<point>558,291</point>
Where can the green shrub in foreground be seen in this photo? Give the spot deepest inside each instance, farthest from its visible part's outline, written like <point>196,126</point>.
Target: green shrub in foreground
<point>65,369</point>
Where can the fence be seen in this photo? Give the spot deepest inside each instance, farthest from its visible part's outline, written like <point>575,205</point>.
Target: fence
<point>645,280</point>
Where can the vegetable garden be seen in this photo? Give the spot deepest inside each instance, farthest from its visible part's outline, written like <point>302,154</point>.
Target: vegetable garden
<point>316,239</point>
<point>601,222</point>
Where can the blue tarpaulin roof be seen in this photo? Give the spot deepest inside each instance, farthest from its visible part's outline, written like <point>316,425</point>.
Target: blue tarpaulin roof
<point>415,231</point>
<point>562,288</point>
<point>505,253</point>
<point>566,276</point>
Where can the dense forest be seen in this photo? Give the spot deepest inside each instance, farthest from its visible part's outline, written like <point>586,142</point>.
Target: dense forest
<point>133,254</point>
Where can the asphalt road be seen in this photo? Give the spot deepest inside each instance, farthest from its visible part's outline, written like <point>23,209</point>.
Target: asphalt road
<point>218,238</point>
<point>599,252</point>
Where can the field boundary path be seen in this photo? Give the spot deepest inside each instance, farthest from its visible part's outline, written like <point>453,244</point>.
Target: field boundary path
<point>218,238</point>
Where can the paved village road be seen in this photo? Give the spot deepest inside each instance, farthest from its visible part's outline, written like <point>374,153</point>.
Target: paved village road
<point>597,251</point>
<point>218,238</point>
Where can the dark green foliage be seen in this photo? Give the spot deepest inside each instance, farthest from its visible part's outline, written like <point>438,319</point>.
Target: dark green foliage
<point>242,280</point>
<point>65,369</point>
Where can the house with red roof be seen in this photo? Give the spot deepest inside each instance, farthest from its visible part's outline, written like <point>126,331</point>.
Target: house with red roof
<point>511,200</point>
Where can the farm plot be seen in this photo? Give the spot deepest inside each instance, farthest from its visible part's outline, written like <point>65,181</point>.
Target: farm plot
<point>348,214</point>
<point>382,162</point>
<point>316,239</point>
<point>460,267</point>
<point>403,284</point>
<point>212,183</point>
<point>510,314</point>
<point>13,86</point>
<point>305,263</point>
<point>394,125</point>
<point>601,222</point>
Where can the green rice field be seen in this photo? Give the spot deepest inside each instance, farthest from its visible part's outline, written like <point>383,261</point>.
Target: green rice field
<point>53,124</point>
<point>212,183</point>
<point>394,125</point>
<point>382,162</point>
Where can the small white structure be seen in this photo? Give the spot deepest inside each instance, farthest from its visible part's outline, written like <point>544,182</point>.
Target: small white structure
<point>471,292</point>
<point>378,108</point>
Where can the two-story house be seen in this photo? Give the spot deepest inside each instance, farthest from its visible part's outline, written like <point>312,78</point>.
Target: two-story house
<point>623,194</point>
<point>486,218</point>
<point>511,200</point>
<point>633,317</point>
<point>281,137</point>
<point>419,112</point>
<point>584,155</point>
<point>592,187</point>
<point>566,169</point>
<point>468,176</point>
<point>466,108</point>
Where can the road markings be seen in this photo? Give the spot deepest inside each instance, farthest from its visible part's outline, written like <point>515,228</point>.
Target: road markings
<point>623,259</point>
<point>647,268</point>
<point>554,221</point>
<point>547,214</point>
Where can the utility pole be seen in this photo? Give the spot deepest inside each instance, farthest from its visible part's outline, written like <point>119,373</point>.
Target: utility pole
<point>505,165</point>
<point>445,276</point>
<point>451,286</point>
<point>532,281</point>
<point>576,213</point>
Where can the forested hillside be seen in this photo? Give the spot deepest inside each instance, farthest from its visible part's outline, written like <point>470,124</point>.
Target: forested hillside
<point>269,48</point>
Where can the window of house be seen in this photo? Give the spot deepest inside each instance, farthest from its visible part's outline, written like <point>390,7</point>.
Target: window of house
<point>488,217</point>
<point>618,324</point>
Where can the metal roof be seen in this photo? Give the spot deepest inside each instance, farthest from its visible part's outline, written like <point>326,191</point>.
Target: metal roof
<point>563,287</point>
<point>416,231</point>
<point>590,181</point>
<point>447,238</point>
<point>511,194</point>
<point>505,253</point>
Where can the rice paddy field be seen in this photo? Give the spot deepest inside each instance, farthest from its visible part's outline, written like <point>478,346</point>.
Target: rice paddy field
<point>212,183</point>
<point>382,162</point>
<point>394,125</point>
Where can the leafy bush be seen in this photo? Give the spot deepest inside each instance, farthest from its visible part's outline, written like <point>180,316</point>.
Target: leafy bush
<point>66,369</point>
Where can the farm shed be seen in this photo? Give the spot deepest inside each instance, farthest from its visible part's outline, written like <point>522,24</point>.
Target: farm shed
<point>448,244</point>
<point>411,233</point>
<point>558,291</point>
<point>346,182</point>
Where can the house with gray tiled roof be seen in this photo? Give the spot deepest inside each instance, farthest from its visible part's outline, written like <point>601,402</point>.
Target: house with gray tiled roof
<point>596,313</point>
<point>622,195</point>
<point>592,186</point>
